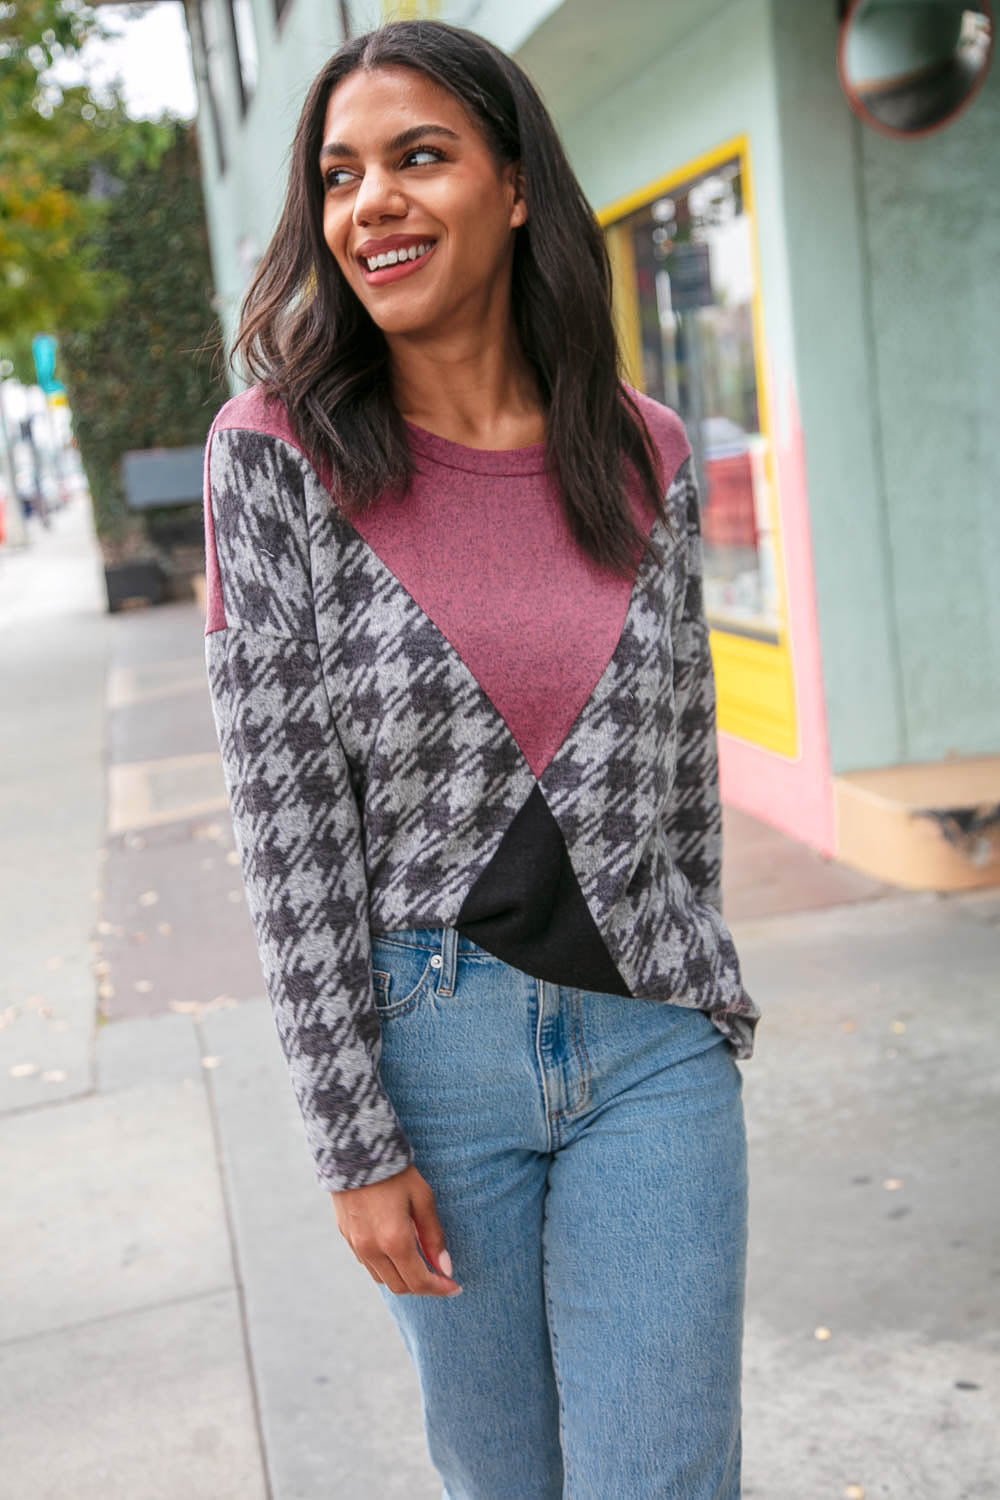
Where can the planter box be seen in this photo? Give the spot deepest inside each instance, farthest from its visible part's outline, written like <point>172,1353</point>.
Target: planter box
<point>133,583</point>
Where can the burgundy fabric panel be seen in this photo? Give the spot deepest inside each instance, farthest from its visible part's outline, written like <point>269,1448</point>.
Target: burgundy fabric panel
<point>481,544</point>
<point>257,413</point>
<point>215,608</point>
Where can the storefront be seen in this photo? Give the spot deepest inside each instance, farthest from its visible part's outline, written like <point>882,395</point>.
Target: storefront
<point>802,212</point>
<point>690,313</point>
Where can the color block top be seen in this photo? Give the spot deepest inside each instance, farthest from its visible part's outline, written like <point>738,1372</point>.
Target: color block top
<point>444,714</point>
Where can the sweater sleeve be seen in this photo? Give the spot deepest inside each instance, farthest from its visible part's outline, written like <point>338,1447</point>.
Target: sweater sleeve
<point>295,818</point>
<point>694,810</point>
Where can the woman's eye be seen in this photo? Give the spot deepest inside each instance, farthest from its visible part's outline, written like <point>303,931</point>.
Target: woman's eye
<point>425,151</point>
<point>331,177</point>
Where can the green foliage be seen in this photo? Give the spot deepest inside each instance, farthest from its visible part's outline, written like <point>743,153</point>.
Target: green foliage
<point>56,145</point>
<point>147,374</point>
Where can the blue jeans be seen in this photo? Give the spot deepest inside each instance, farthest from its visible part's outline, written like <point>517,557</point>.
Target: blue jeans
<point>588,1159</point>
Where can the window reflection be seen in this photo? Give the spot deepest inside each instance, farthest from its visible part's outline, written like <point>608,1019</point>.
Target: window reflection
<point>693,287</point>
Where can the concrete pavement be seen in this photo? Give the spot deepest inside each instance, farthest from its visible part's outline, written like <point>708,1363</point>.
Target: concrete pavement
<point>178,1316</point>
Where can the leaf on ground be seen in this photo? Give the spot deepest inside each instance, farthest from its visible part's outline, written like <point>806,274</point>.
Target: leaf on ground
<point>234,896</point>
<point>105,927</point>
<point>102,967</point>
<point>23,1070</point>
<point>899,1027</point>
<point>892,1184</point>
<point>8,1016</point>
<point>848,1025</point>
<point>144,986</point>
<point>106,991</point>
<point>210,1062</point>
<point>184,1007</point>
<point>232,858</point>
<point>854,1492</point>
<point>55,1075</point>
<point>822,1334</point>
<point>149,898</point>
<point>166,928</point>
<point>140,937</point>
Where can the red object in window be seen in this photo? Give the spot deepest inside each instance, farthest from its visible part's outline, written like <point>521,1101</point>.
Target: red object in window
<point>728,518</point>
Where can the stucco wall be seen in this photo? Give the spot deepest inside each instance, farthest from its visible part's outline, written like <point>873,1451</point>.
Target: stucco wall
<point>931,212</point>
<point>894,255</point>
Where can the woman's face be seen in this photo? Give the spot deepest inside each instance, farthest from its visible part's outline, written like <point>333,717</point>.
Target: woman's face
<point>405,170</point>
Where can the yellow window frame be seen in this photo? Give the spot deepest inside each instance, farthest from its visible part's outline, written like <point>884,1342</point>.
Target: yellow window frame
<point>755,679</point>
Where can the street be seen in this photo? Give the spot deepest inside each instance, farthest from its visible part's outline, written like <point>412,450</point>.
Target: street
<point>179,1319</point>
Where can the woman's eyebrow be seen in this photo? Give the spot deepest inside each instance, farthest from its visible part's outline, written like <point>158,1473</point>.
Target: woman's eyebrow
<point>405,138</point>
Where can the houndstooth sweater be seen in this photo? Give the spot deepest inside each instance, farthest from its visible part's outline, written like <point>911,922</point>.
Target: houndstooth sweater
<point>444,714</point>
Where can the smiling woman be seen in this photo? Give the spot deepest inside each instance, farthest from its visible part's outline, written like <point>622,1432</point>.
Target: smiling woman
<point>444,151</point>
<point>461,679</point>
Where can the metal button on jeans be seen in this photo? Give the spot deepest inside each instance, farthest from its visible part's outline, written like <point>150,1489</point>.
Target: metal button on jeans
<point>436,961</point>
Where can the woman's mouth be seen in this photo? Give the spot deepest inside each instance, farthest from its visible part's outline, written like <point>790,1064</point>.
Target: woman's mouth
<point>393,264</point>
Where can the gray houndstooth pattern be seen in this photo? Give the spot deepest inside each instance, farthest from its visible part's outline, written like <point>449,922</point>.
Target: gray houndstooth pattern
<point>435,766</point>
<point>372,781</point>
<point>634,789</point>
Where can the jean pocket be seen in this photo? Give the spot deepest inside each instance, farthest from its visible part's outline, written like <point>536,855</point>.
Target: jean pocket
<point>401,978</point>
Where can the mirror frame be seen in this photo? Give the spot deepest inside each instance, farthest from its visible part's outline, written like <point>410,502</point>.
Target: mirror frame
<point>848,10</point>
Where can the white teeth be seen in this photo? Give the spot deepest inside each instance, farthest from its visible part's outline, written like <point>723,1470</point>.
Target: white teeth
<point>393,257</point>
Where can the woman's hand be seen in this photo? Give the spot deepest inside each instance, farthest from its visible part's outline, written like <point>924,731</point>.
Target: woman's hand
<point>385,1222</point>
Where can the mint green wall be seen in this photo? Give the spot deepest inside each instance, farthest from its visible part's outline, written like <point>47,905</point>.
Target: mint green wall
<point>894,250</point>
<point>243,203</point>
<point>824,230</point>
<point>932,218</point>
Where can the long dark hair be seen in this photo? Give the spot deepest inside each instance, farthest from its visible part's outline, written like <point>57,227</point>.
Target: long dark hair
<point>306,336</point>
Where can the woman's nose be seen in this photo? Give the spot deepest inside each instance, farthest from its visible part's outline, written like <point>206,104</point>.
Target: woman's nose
<point>377,196</point>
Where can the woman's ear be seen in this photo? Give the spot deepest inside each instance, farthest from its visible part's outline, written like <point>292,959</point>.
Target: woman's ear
<point>519,207</point>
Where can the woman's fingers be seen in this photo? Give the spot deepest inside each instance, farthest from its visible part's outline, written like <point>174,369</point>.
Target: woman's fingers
<point>428,1227</point>
<point>402,1249</point>
<point>382,1221</point>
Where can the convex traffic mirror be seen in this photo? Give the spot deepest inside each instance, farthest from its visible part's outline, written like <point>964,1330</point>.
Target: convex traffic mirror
<point>909,67</point>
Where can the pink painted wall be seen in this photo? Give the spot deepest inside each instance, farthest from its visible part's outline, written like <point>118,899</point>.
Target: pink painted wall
<point>795,796</point>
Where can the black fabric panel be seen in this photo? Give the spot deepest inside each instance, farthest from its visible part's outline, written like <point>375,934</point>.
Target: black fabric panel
<point>527,908</point>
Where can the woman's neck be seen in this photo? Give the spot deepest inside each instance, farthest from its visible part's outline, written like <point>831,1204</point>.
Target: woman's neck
<point>471,391</point>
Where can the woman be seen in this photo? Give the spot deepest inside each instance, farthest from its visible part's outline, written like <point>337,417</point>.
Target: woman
<point>461,680</point>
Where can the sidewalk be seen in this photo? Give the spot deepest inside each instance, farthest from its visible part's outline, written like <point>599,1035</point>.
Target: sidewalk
<point>179,1319</point>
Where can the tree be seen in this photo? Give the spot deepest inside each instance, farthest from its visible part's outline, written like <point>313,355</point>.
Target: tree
<point>147,374</point>
<point>61,148</point>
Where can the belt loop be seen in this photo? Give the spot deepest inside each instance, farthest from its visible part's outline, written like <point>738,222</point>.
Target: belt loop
<point>449,962</point>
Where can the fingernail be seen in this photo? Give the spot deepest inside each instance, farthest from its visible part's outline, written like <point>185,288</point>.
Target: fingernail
<point>456,1293</point>
<point>444,1261</point>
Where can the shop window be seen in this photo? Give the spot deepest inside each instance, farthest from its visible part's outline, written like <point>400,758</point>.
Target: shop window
<point>686,294</point>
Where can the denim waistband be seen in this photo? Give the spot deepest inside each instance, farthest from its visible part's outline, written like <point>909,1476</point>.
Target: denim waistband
<point>431,938</point>
<point>444,941</point>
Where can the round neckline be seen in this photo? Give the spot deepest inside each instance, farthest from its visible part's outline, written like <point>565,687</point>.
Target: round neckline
<point>452,455</point>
